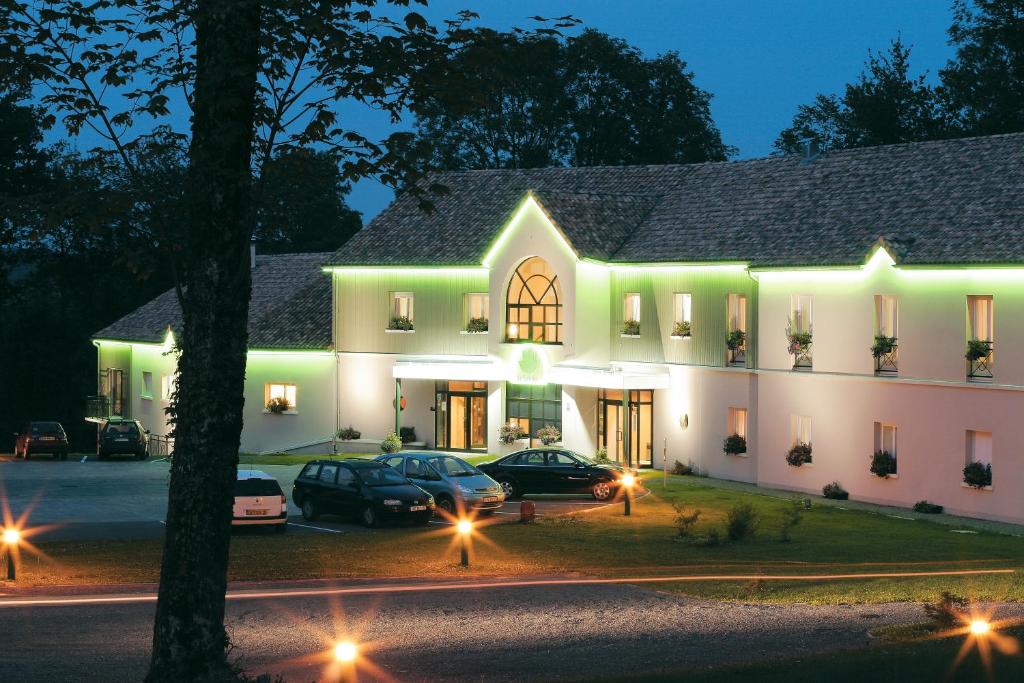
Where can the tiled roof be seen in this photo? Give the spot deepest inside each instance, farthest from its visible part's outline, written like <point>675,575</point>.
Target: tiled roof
<point>941,202</point>
<point>290,307</point>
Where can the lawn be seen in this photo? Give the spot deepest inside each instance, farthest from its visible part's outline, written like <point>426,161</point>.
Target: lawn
<point>828,540</point>
<point>922,660</point>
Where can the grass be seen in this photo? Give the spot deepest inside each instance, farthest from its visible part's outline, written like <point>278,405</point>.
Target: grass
<point>828,540</point>
<point>921,660</point>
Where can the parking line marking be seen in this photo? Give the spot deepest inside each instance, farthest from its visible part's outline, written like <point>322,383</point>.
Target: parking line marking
<point>318,528</point>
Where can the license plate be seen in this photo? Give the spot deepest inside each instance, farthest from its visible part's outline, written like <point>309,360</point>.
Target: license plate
<point>417,508</point>
<point>49,438</point>
<point>490,499</point>
<point>255,513</point>
<point>122,440</point>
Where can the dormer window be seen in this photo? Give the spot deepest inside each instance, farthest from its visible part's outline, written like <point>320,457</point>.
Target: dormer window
<point>533,309</point>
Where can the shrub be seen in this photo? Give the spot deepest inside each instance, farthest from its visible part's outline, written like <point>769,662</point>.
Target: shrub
<point>686,518</point>
<point>510,433</point>
<point>407,434</point>
<point>742,522</point>
<point>736,339</point>
<point>681,469</point>
<point>734,445</point>
<point>682,329</point>
<point>945,612</point>
<point>549,434</point>
<point>883,345</point>
<point>792,515</point>
<point>883,463</point>
<point>977,349</point>
<point>631,327</point>
<point>477,325</point>
<point>278,405</point>
<point>402,322</point>
<point>709,540</point>
<point>835,491</point>
<point>391,443</point>
<point>799,454</point>
<point>602,455</point>
<point>978,475</point>
<point>347,433</point>
<point>927,508</point>
<point>798,341</point>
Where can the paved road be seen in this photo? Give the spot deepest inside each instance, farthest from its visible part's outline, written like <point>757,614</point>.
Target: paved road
<point>127,499</point>
<point>493,634</point>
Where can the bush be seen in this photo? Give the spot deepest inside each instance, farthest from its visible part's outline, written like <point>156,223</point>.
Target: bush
<point>510,433</point>
<point>736,339</point>
<point>742,522</point>
<point>391,443</point>
<point>477,325</point>
<point>927,508</point>
<point>681,469</point>
<point>883,463</point>
<point>549,434</point>
<point>631,327</point>
<point>402,322</point>
<point>977,349</point>
<point>792,515</point>
<point>946,612</point>
<point>799,454</point>
<point>682,328</point>
<point>686,518</point>
<point>734,445</point>
<point>602,455</point>
<point>835,491</point>
<point>278,405</point>
<point>407,434</point>
<point>348,434</point>
<point>978,475</point>
<point>712,538</point>
<point>883,345</point>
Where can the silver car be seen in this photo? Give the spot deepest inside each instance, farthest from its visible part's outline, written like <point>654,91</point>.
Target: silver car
<point>456,485</point>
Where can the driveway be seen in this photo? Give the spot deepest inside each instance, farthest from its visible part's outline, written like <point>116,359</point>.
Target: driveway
<point>127,499</point>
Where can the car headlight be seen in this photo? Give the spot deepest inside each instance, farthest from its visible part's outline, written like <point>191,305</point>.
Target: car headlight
<point>392,501</point>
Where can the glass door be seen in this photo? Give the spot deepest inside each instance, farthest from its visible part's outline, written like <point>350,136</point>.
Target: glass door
<point>460,419</point>
<point>457,422</point>
<point>613,430</point>
<point>478,422</point>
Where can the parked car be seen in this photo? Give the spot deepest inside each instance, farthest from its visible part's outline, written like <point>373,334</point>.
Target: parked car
<point>553,470</point>
<point>41,437</point>
<point>259,500</point>
<point>368,490</point>
<point>123,437</point>
<point>454,483</point>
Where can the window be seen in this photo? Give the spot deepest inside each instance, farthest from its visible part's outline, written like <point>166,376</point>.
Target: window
<point>886,315</point>
<point>979,447</point>
<point>737,312</point>
<point>885,438</point>
<point>310,470</point>
<point>800,313</point>
<point>533,308</point>
<point>631,307</point>
<point>328,473</point>
<point>682,314</point>
<point>147,384</point>
<point>558,459</point>
<point>477,307</point>
<point>401,305</point>
<point>980,317</point>
<point>285,391</point>
<point>346,476</point>
<point>533,406</point>
<point>168,384</point>
<point>737,422</point>
<point>801,429</point>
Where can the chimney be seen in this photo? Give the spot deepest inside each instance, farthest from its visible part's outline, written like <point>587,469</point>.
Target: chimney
<point>812,149</point>
<point>252,253</point>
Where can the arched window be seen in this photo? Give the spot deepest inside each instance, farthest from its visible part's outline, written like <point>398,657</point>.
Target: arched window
<point>533,308</point>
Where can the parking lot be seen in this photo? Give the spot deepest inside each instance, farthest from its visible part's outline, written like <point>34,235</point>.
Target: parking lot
<point>127,499</point>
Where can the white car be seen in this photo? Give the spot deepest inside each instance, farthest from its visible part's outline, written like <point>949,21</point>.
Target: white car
<point>259,500</point>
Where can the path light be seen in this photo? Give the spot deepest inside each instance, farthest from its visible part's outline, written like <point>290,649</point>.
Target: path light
<point>12,537</point>
<point>464,528</point>
<point>628,481</point>
<point>345,651</point>
<point>980,627</point>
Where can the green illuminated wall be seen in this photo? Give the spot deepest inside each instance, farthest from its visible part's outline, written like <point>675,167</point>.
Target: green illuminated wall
<point>363,310</point>
<point>709,289</point>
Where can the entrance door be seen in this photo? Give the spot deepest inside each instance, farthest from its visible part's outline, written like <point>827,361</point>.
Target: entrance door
<point>461,415</point>
<point>477,422</point>
<point>613,430</point>
<point>457,422</point>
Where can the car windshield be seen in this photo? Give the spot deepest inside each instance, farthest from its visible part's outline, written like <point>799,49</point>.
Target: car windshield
<point>122,429</point>
<point>257,487</point>
<point>45,428</point>
<point>380,476</point>
<point>453,467</point>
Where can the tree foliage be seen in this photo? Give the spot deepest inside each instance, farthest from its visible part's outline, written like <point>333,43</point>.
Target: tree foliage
<point>543,100</point>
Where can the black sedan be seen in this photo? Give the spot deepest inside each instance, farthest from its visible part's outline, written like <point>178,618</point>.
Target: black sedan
<point>554,470</point>
<point>368,490</point>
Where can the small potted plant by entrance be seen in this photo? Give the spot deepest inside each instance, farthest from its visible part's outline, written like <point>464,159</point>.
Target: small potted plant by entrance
<point>883,464</point>
<point>799,455</point>
<point>549,435</point>
<point>734,445</point>
<point>512,438</point>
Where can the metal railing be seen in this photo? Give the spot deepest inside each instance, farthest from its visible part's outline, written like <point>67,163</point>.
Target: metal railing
<point>980,369</point>
<point>738,356</point>
<point>97,407</point>
<point>803,361</point>
<point>887,363</point>
<point>161,446</point>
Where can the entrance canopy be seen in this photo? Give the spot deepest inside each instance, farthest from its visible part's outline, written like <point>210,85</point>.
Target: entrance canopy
<point>447,367</point>
<point>624,376</point>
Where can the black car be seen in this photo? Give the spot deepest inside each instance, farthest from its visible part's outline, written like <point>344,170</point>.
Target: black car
<point>41,437</point>
<point>553,470</point>
<point>368,490</point>
<point>123,437</point>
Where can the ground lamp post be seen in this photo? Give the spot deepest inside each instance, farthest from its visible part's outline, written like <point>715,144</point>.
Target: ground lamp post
<point>11,539</point>
<point>627,499</point>
<point>345,653</point>
<point>464,528</point>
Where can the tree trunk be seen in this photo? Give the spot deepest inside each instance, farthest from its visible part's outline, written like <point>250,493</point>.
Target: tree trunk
<point>189,640</point>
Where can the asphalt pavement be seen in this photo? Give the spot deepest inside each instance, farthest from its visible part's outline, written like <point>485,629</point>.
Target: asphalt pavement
<point>533,633</point>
